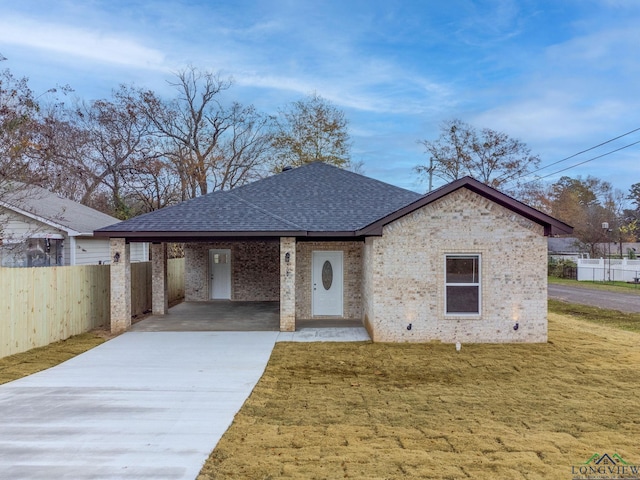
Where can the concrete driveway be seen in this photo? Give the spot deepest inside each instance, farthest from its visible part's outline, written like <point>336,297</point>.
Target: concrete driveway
<point>145,405</point>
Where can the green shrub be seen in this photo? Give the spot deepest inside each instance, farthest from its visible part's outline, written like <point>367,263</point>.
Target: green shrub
<point>562,268</point>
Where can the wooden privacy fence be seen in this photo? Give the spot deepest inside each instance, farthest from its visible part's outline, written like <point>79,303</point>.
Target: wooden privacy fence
<point>44,305</point>
<point>39,306</point>
<point>141,284</point>
<point>175,279</point>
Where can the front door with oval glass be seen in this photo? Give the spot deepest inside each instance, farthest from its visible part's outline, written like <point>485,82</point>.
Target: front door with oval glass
<point>326,286</point>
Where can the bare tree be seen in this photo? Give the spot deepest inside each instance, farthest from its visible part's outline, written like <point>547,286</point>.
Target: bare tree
<point>207,144</point>
<point>19,118</point>
<point>115,141</point>
<point>19,135</point>
<point>489,156</point>
<point>191,126</point>
<point>133,152</point>
<point>311,130</point>
<point>244,150</point>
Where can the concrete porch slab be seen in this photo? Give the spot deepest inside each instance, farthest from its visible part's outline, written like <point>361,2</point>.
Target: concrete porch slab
<point>227,316</point>
<point>329,334</point>
<point>214,316</point>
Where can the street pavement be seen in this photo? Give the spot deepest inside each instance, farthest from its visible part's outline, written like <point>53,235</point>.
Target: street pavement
<point>624,302</point>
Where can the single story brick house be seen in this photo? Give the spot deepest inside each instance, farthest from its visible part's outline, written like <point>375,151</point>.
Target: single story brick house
<point>464,263</point>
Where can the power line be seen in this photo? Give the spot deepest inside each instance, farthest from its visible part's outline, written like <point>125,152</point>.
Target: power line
<point>575,155</point>
<point>587,150</point>
<point>582,163</point>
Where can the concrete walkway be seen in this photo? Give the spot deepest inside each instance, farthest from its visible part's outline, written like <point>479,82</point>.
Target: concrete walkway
<point>145,405</point>
<point>326,334</point>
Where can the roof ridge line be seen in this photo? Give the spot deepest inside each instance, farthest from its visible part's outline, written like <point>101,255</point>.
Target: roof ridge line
<point>272,215</point>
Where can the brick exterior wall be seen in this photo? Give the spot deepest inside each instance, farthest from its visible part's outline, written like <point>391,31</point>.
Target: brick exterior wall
<point>255,270</point>
<point>404,274</point>
<point>160,286</point>
<point>120,274</point>
<point>352,258</point>
<point>288,262</point>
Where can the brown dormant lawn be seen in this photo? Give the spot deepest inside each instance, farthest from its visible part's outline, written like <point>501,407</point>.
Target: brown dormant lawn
<point>383,411</point>
<point>20,365</point>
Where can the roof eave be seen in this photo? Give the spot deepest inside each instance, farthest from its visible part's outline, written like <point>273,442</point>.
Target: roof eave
<point>195,234</point>
<point>167,235</point>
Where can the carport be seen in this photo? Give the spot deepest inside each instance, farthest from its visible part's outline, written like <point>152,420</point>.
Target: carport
<point>237,313</point>
<point>296,238</point>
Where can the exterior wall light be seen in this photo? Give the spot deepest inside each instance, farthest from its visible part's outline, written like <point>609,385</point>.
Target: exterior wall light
<point>116,257</point>
<point>287,257</point>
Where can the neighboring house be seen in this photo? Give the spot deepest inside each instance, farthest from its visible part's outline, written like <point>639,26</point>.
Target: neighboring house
<point>464,263</point>
<point>617,249</point>
<point>39,228</point>
<point>566,248</point>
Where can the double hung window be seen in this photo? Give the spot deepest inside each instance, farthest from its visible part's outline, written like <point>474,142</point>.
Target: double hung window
<point>462,284</point>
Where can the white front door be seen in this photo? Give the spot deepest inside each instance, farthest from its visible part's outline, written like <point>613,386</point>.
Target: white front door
<point>327,292</point>
<point>220,274</point>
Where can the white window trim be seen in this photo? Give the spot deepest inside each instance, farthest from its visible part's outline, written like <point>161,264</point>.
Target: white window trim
<point>478,284</point>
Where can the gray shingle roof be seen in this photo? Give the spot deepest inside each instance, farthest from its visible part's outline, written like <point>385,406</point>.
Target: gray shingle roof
<point>61,212</point>
<point>313,198</point>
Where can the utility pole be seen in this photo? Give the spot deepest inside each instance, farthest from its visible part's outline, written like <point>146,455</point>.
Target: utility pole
<point>430,173</point>
<point>607,231</point>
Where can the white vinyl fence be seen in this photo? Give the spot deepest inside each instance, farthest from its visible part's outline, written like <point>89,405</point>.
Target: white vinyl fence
<point>605,270</point>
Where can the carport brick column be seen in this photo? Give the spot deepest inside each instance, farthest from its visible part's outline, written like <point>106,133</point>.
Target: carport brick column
<point>159,287</point>
<point>287,284</point>
<point>120,271</point>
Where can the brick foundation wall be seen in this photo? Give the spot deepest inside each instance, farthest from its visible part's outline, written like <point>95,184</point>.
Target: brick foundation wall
<point>352,281</point>
<point>404,274</point>
<point>255,270</point>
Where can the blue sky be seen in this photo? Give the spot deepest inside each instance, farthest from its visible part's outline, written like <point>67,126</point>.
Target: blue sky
<point>560,75</point>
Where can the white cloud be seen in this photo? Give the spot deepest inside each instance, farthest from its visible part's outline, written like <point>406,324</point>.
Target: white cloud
<point>585,87</point>
<point>96,46</point>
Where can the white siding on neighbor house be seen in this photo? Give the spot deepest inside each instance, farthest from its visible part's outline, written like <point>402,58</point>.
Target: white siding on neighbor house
<point>92,251</point>
<point>139,252</point>
<point>66,251</point>
<point>17,228</point>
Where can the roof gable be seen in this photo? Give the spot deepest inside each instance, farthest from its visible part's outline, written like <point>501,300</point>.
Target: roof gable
<point>552,226</point>
<point>51,209</point>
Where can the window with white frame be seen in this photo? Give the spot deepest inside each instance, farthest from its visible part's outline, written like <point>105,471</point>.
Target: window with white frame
<point>462,284</point>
